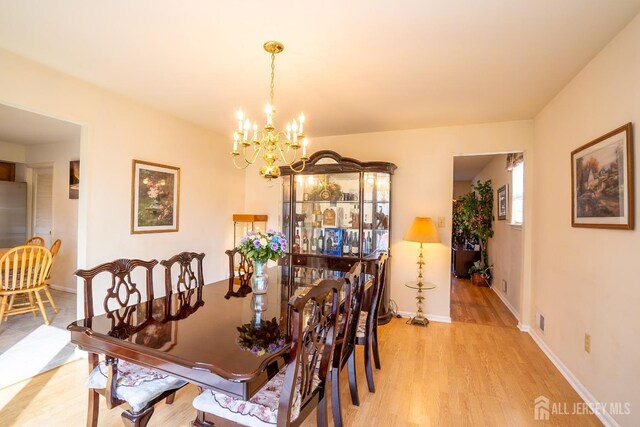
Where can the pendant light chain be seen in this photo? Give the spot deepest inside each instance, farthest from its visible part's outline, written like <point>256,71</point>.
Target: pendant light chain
<point>273,73</point>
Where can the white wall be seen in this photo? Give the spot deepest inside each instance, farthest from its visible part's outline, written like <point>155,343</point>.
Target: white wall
<point>422,186</point>
<point>505,247</point>
<point>12,153</point>
<point>65,210</point>
<point>115,131</point>
<point>585,280</point>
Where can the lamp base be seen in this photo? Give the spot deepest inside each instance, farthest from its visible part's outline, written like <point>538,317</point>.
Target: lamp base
<point>418,320</point>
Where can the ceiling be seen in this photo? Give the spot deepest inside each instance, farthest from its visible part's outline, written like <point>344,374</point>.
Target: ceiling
<point>352,67</point>
<point>465,168</point>
<point>26,128</point>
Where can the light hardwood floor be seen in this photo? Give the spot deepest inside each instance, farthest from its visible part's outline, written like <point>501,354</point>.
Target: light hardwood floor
<point>480,305</point>
<point>459,374</point>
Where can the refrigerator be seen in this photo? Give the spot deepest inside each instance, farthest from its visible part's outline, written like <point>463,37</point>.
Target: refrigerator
<point>13,213</point>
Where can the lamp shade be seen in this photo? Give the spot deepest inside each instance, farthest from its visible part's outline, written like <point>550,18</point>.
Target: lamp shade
<point>422,230</point>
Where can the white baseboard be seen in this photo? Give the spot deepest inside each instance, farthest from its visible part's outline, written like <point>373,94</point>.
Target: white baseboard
<point>606,418</point>
<point>431,317</point>
<point>506,302</point>
<point>64,289</point>
<point>523,327</point>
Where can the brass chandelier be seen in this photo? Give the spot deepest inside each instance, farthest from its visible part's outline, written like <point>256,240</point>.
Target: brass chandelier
<point>269,143</point>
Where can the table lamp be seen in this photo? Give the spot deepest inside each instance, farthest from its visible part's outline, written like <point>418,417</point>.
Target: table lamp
<point>422,230</point>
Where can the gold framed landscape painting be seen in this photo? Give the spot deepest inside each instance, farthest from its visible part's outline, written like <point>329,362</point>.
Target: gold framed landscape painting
<point>155,198</point>
<point>602,181</point>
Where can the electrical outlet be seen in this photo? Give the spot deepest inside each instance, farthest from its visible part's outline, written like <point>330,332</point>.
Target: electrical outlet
<point>441,222</point>
<point>587,343</point>
<point>541,322</point>
<point>504,286</point>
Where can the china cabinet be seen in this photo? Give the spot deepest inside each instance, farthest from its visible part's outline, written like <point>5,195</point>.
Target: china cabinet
<point>337,211</point>
<point>242,223</point>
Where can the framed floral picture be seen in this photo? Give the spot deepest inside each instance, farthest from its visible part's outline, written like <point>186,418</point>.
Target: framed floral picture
<point>602,181</point>
<point>155,197</point>
<point>502,202</point>
<point>74,179</point>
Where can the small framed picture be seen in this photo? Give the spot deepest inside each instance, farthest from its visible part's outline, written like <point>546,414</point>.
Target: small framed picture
<point>502,202</point>
<point>602,181</point>
<point>155,198</point>
<point>74,179</point>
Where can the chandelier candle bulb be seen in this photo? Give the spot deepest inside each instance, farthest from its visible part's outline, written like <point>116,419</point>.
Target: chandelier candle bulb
<point>240,116</point>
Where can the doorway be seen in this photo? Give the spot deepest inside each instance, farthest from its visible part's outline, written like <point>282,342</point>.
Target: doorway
<point>485,198</point>
<point>42,211</point>
<point>40,148</point>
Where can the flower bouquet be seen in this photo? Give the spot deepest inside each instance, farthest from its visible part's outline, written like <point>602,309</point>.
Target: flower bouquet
<point>262,247</point>
<point>267,338</point>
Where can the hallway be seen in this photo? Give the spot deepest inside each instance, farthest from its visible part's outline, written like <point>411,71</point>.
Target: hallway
<point>479,305</point>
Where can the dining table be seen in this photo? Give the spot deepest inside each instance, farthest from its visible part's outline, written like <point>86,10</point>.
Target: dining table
<point>202,337</point>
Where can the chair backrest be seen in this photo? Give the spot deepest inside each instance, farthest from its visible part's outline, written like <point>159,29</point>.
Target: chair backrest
<point>35,241</point>
<point>24,267</point>
<point>187,278</point>
<point>380,273</point>
<point>354,295</point>
<point>243,273</point>
<point>122,291</point>
<point>55,248</point>
<point>314,316</point>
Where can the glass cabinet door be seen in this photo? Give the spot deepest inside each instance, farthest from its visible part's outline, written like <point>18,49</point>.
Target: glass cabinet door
<point>286,209</point>
<point>327,214</point>
<point>376,211</point>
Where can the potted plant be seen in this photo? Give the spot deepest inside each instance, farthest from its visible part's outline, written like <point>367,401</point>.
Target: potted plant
<point>476,218</point>
<point>480,274</point>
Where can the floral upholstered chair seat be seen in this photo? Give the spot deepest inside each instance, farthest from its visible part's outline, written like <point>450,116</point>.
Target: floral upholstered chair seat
<point>362,324</point>
<point>135,384</point>
<point>259,411</point>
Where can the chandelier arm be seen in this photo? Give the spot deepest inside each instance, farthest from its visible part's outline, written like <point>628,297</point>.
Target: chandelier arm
<point>252,159</point>
<point>246,164</point>
<point>301,167</point>
<point>283,156</point>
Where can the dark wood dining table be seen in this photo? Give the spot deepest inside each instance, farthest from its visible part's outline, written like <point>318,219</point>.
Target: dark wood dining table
<point>194,336</point>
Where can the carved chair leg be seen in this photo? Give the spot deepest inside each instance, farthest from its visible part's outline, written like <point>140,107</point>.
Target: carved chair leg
<point>138,419</point>
<point>200,421</point>
<point>321,412</point>
<point>170,398</point>
<point>353,379</point>
<point>3,304</point>
<point>376,354</point>
<point>335,397</point>
<point>50,298</point>
<point>33,313</point>
<point>367,365</point>
<point>93,408</point>
<point>44,313</point>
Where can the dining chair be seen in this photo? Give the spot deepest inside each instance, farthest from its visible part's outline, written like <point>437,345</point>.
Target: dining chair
<point>135,387</point>
<point>346,340</point>
<point>186,268</point>
<point>242,274</point>
<point>35,241</point>
<point>367,333</point>
<point>300,386</point>
<point>55,248</point>
<point>23,270</point>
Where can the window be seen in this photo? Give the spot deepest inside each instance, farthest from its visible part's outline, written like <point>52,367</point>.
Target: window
<point>517,194</point>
